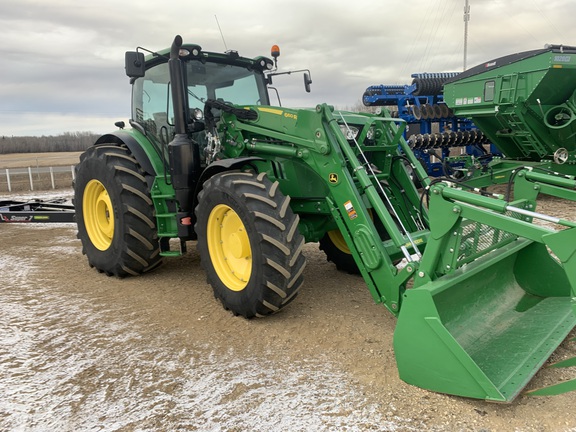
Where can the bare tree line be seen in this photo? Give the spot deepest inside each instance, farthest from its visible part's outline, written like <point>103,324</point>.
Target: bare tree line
<point>80,141</point>
<point>66,142</point>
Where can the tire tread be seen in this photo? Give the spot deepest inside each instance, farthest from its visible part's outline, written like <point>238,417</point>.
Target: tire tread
<point>135,248</point>
<point>274,235</point>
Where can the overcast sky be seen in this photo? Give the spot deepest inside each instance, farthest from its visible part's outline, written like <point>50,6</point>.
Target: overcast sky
<point>62,61</point>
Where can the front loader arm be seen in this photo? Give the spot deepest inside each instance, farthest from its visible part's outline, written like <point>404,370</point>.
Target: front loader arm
<point>361,194</point>
<point>489,303</point>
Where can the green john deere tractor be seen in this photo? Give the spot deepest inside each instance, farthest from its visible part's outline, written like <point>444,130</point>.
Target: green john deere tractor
<point>483,296</point>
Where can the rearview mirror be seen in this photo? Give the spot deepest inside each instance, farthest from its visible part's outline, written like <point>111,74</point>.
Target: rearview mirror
<point>134,64</point>
<point>307,81</point>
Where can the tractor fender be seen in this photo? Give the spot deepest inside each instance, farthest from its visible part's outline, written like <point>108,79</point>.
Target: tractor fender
<point>224,165</point>
<point>136,148</point>
<point>218,167</point>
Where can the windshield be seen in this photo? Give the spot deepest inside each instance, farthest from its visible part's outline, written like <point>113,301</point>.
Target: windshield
<point>224,82</point>
<point>152,99</point>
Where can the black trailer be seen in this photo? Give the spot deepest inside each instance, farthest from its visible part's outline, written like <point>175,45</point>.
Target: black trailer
<point>36,210</point>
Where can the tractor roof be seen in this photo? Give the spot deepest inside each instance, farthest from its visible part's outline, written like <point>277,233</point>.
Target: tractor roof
<point>195,52</point>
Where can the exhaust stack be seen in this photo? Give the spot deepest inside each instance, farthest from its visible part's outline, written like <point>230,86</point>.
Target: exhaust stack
<point>184,156</point>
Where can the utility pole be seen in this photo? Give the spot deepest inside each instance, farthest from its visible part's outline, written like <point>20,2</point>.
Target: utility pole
<point>466,19</point>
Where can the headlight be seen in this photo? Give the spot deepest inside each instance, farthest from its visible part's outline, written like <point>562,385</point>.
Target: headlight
<point>350,132</point>
<point>370,133</point>
<point>197,114</point>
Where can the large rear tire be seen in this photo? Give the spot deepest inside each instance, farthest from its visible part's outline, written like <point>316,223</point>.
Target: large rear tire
<point>249,243</point>
<point>114,212</point>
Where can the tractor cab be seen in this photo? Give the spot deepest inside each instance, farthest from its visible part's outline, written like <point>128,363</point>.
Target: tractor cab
<point>226,77</point>
<point>207,76</point>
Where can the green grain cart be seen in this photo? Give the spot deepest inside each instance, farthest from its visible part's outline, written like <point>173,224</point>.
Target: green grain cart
<point>483,296</point>
<point>525,103</point>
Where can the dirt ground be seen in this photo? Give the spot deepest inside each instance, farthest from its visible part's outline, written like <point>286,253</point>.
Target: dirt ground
<point>82,351</point>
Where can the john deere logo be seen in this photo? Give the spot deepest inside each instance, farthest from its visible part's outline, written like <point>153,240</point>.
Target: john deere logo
<point>333,178</point>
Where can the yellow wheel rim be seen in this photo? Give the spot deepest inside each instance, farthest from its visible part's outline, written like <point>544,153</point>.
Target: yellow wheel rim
<point>338,240</point>
<point>229,247</point>
<point>98,215</point>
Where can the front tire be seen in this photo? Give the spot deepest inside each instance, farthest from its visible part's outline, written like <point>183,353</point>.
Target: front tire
<point>114,212</point>
<point>249,243</point>
<point>338,252</point>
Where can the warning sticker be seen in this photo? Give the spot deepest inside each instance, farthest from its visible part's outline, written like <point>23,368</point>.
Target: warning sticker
<point>350,210</point>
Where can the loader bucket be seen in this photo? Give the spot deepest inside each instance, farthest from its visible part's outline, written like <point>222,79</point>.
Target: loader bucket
<point>485,330</point>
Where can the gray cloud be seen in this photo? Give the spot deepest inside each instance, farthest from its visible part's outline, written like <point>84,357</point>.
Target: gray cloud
<point>62,61</point>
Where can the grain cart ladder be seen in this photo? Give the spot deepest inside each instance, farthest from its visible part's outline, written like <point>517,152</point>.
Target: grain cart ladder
<point>481,302</point>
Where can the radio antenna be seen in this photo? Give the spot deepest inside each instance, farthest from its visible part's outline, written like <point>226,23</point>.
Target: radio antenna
<point>466,19</point>
<point>221,34</point>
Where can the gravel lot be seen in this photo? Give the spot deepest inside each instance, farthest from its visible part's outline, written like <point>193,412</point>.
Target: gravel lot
<point>82,351</point>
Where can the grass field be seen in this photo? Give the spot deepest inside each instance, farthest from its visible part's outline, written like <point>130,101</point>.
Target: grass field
<point>40,179</point>
<point>25,160</point>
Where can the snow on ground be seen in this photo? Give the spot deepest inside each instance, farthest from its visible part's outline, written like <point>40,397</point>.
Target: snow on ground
<point>66,364</point>
<point>66,193</point>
